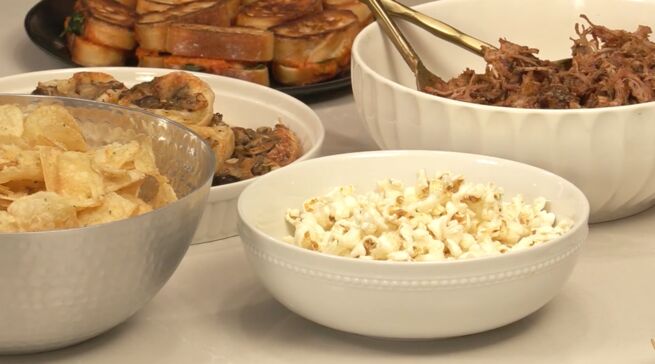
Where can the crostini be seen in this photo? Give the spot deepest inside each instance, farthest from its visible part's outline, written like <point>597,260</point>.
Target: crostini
<point>314,48</point>
<point>152,28</point>
<point>264,14</point>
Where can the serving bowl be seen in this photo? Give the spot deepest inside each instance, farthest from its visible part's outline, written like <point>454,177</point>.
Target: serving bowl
<point>607,152</point>
<point>406,300</point>
<point>60,287</point>
<point>242,104</point>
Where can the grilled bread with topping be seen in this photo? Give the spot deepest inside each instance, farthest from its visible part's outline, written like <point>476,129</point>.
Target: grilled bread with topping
<point>264,14</point>
<point>227,43</point>
<point>258,152</point>
<point>314,48</point>
<point>149,6</point>
<point>95,86</point>
<point>148,58</point>
<point>103,22</point>
<point>129,3</point>
<point>152,28</point>
<point>87,53</point>
<point>361,11</point>
<point>179,96</point>
<point>248,71</point>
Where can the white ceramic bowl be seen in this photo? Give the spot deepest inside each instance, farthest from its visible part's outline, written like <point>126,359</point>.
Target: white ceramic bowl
<point>398,299</point>
<point>609,153</point>
<point>241,103</point>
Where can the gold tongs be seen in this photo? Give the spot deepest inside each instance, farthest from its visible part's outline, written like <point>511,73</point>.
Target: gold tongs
<point>438,28</point>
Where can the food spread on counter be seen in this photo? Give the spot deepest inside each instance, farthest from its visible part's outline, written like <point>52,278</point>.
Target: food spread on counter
<point>51,178</point>
<point>298,42</point>
<point>439,218</point>
<point>610,67</point>
<point>241,153</point>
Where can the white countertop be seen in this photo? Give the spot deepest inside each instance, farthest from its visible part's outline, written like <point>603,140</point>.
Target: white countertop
<point>213,310</point>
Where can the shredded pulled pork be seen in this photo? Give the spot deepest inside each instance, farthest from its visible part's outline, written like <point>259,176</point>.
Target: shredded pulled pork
<point>609,68</point>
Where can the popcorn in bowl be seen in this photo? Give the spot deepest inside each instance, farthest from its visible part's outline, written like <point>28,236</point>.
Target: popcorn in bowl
<point>440,218</point>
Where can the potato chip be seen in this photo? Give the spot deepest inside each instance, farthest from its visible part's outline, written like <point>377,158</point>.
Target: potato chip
<point>116,163</point>
<point>132,178</point>
<point>43,211</point>
<point>7,223</point>
<point>165,194</point>
<point>15,141</point>
<point>115,158</point>
<point>12,192</point>
<point>53,125</point>
<point>113,208</point>
<point>142,206</point>
<point>25,187</point>
<point>144,160</point>
<point>51,179</point>
<point>26,166</point>
<point>11,120</point>
<point>132,189</point>
<point>71,175</point>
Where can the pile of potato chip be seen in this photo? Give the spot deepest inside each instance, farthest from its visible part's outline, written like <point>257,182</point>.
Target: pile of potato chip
<point>50,178</point>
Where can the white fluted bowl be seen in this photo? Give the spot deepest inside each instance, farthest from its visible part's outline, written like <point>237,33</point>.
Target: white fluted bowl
<point>406,300</point>
<point>609,153</point>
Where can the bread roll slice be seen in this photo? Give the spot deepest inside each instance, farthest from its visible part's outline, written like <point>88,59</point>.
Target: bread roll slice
<point>152,28</point>
<point>315,38</point>
<point>87,53</point>
<point>95,86</point>
<point>103,22</point>
<point>227,43</point>
<point>264,14</point>
<point>179,96</point>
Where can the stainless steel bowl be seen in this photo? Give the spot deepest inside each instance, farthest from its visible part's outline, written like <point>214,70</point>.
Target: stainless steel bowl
<point>61,287</point>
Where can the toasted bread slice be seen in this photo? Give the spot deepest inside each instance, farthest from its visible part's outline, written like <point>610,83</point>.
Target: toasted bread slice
<point>129,3</point>
<point>149,6</point>
<point>228,43</point>
<point>264,14</point>
<point>86,53</point>
<point>152,28</point>
<point>96,86</point>
<point>179,96</point>
<point>253,72</point>
<point>315,38</point>
<point>309,73</point>
<point>103,22</point>
<point>147,58</point>
<point>361,11</point>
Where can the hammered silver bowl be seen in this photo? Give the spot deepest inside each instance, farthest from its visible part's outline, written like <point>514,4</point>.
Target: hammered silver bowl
<point>61,287</point>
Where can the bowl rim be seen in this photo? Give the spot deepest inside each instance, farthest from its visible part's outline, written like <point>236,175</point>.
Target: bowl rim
<point>231,188</point>
<point>577,227</point>
<point>374,28</point>
<point>96,104</point>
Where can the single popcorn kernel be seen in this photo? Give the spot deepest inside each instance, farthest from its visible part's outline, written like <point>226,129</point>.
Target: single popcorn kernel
<point>440,218</point>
